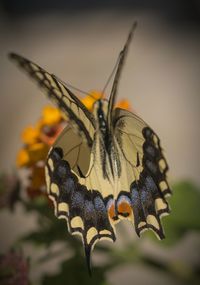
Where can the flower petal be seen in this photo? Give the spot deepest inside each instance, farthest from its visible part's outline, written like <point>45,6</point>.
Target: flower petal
<point>23,158</point>
<point>89,100</point>
<point>51,116</point>
<point>30,135</point>
<point>38,152</point>
<point>123,104</point>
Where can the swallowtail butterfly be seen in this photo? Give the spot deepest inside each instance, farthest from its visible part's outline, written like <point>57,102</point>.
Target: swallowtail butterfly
<point>106,165</point>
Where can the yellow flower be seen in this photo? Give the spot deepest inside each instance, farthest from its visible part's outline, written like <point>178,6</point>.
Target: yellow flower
<point>23,158</point>
<point>38,152</point>
<point>30,135</point>
<point>51,116</point>
<point>31,154</point>
<point>89,100</point>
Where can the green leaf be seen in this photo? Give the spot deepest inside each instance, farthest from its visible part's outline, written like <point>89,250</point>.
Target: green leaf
<point>185,205</point>
<point>74,271</point>
<point>39,205</point>
<point>185,212</point>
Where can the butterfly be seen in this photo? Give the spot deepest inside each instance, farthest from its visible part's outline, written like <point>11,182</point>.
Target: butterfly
<point>106,165</point>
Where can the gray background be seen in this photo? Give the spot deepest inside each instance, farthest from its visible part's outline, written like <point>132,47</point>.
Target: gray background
<point>161,80</point>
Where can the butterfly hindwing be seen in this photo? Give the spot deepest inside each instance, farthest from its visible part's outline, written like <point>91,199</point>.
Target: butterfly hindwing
<point>146,170</point>
<point>75,197</point>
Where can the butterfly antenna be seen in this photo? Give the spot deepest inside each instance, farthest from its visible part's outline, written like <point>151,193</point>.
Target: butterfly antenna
<point>73,87</point>
<point>122,57</point>
<point>119,64</point>
<point>111,75</point>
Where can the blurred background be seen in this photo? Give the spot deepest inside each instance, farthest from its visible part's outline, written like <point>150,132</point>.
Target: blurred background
<point>79,41</point>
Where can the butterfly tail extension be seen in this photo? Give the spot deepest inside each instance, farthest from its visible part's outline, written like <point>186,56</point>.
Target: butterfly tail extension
<point>88,259</point>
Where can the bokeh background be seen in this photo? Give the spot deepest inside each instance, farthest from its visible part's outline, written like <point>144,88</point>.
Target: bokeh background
<point>79,41</point>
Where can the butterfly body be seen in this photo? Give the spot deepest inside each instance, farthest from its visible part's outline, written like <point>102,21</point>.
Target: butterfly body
<point>105,166</point>
<point>105,142</point>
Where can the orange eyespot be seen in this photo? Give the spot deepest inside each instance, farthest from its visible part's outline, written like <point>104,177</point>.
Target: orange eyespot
<point>124,209</point>
<point>112,211</point>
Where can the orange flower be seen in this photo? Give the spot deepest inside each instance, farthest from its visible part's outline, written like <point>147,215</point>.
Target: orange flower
<point>37,177</point>
<point>124,104</point>
<point>48,134</point>
<point>29,155</point>
<point>37,182</point>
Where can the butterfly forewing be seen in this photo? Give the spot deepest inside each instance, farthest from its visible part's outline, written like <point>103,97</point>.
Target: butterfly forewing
<point>80,118</point>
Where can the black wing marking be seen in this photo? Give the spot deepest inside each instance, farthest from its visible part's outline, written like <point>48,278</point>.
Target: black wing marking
<point>148,184</point>
<point>83,207</point>
<point>80,118</point>
<point>122,57</point>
